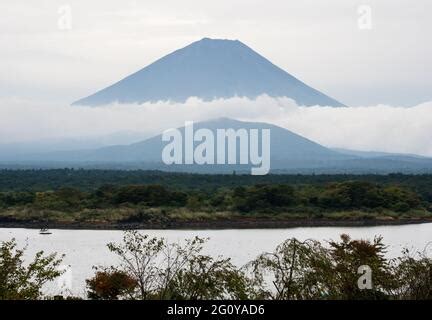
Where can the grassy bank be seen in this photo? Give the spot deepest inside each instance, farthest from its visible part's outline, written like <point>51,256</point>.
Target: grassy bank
<point>183,218</point>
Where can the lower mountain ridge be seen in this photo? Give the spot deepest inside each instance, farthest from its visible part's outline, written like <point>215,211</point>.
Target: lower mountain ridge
<point>289,152</point>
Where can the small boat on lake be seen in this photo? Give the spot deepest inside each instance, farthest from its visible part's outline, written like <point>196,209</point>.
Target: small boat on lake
<point>44,231</point>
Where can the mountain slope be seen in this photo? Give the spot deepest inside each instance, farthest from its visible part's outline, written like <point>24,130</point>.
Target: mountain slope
<point>208,69</point>
<point>290,153</point>
<point>379,154</point>
<point>285,146</point>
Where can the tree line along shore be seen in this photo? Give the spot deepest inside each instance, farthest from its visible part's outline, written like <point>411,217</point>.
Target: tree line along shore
<point>123,199</point>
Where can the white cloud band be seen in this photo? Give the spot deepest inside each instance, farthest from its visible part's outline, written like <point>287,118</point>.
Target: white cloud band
<point>378,128</point>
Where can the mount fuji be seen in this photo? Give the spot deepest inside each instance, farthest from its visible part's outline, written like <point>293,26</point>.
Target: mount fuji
<point>209,69</point>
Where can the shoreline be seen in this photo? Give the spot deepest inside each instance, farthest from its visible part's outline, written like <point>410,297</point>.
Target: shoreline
<point>214,225</point>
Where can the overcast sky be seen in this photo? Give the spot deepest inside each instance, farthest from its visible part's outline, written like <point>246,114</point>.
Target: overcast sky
<point>378,67</point>
<point>377,128</point>
<point>324,43</point>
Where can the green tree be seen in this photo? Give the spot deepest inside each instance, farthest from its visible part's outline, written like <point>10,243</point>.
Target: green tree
<point>19,281</point>
<point>414,274</point>
<point>163,270</point>
<point>347,256</point>
<point>307,270</point>
<point>295,270</point>
<point>204,277</point>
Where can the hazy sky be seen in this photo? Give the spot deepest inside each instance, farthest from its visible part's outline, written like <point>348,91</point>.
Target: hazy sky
<point>55,52</point>
<point>377,128</point>
<point>327,44</point>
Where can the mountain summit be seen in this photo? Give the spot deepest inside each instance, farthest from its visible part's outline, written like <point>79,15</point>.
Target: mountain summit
<point>209,69</point>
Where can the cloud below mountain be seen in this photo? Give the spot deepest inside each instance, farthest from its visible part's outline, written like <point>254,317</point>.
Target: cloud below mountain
<point>380,128</point>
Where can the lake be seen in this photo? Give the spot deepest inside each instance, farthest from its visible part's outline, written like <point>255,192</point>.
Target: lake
<point>87,248</point>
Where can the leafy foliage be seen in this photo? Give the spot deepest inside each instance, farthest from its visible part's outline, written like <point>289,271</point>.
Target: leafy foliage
<point>162,270</point>
<point>414,276</point>
<point>19,281</point>
<point>152,268</point>
<point>110,284</point>
<point>294,271</point>
<point>312,200</point>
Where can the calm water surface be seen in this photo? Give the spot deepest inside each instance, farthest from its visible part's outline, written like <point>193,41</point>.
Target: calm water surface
<point>87,248</point>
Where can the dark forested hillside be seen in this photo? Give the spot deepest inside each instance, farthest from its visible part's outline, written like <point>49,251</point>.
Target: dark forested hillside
<point>88,180</point>
<point>160,199</point>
